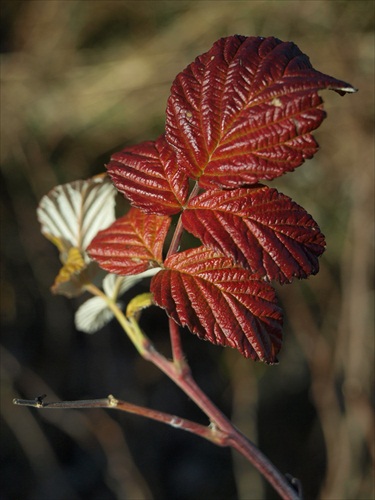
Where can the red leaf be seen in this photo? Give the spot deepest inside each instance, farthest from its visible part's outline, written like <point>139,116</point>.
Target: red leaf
<point>220,302</point>
<point>148,175</point>
<point>132,244</point>
<point>260,229</point>
<point>244,110</point>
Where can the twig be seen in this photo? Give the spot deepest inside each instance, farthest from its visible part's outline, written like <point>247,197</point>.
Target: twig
<point>221,431</point>
<point>210,433</point>
<point>230,436</point>
<point>218,436</point>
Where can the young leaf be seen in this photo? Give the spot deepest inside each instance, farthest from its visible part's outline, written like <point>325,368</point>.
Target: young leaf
<point>148,175</point>
<point>74,274</point>
<point>220,302</point>
<point>114,285</point>
<point>70,216</point>
<point>93,314</point>
<point>244,110</point>
<point>260,229</point>
<point>132,244</point>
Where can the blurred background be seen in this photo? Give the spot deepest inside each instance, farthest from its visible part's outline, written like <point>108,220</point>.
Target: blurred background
<point>82,79</point>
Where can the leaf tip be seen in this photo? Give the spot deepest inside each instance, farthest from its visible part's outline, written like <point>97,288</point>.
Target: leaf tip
<point>345,90</point>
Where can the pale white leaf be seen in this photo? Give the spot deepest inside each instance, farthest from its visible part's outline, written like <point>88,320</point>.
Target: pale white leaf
<point>114,285</point>
<point>73,213</point>
<point>92,315</point>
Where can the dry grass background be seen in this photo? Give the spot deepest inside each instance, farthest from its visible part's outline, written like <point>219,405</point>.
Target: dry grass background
<point>81,79</point>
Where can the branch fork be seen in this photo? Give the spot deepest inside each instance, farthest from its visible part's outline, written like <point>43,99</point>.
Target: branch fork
<point>219,431</point>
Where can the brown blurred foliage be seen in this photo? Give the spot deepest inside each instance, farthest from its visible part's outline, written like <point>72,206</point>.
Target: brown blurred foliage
<point>81,79</point>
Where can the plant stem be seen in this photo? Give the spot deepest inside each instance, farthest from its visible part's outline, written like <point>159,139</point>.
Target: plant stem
<point>177,352</point>
<point>221,431</point>
<point>231,436</point>
<point>138,338</point>
<point>113,403</point>
<point>173,248</point>
<point>264,466</point>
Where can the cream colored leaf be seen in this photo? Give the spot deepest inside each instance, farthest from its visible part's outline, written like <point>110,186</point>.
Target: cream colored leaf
<point>73,213</point>
<point>92,315</point>
<point>114,285</point>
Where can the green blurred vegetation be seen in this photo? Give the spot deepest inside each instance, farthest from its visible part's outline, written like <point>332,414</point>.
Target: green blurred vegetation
<point>80,80</point>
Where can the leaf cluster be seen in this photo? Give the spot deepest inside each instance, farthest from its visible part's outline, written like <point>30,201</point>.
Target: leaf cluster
<point>240,114</point>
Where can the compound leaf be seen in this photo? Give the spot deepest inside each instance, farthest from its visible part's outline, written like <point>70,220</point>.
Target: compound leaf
<point>132,244</point>
<point>148,175</point>
<point>260,229</point>
<point>244,110</point>
<point>220,302</point>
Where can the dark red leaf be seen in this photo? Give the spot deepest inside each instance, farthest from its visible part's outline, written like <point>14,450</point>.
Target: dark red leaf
<point>244,110</point>
<point>148,175</point>
<point>132,244</point>
<point>261,229</point>
<point>220,302</point>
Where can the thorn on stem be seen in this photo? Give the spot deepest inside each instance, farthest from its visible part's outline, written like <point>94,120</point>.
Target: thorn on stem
<point>296,484</point>
<point>39,401</point>
<point>213,427</point>
<point>176,422</point>
<point>112,401</point>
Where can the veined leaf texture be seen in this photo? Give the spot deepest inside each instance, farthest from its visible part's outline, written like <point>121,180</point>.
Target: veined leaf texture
<point>220,302</point>
<point>244,110</point>
<point>132,244</point>
<point>241,113</point>
<point>260,228</point>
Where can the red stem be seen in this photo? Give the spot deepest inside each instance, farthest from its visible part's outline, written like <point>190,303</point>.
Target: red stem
<point>221,431</point>
<point>173,248</point>
<point>173,421</point>
<point>116,404</point>
<point>180,373</point>
<point>177,352</point>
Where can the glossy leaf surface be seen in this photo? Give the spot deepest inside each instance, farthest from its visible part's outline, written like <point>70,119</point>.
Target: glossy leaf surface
<point>132,244</point>
<point>261,229</point>
<point>148,175</point>
<point>220,302</point>
<point>244,110</point>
